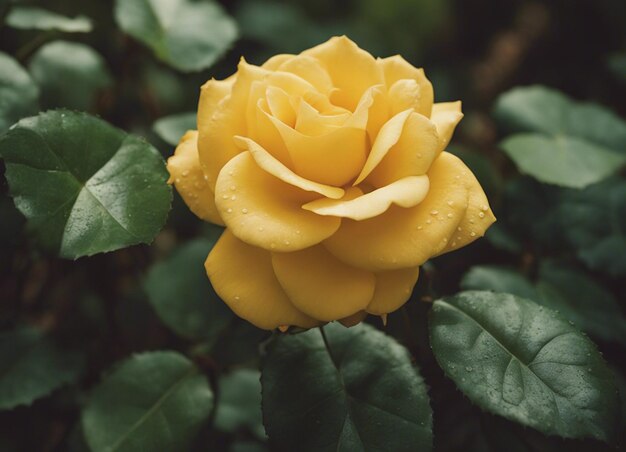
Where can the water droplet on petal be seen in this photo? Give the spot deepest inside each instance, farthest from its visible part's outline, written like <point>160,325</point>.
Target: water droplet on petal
<point>244,211</point>
<point>481,214</point>
<point>473,234</point>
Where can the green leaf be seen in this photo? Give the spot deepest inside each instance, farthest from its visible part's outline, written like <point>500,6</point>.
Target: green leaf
<point>582,301</point>
<point>33,18</point>
<point>85,186</point>
<point>594,222</point>
<point>32,366</point>
<point>18,93</point>
<point>172,128</point>
<point>564,161</point>
<point>567,143</point>
<point>154,401</point>
<point>498,279</point>
<point>240,402</point>
<point>520,360</point>
<point>180,292</point>
<point>69,82</point>
<point>362,393</point>
<point>572,293</point>
<point>187,35</point>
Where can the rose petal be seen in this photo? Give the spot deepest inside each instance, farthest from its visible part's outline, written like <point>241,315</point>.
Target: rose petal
<point>188,178</point>
<point>273,63</point>
<point>478,216</point>
<point>309,69</point>
<point>351,69</point>
<point>221,116</point>
<point>333,159</point>
<point>264,211</point>
<point>388,135</point>
<point>400,237</point>
<point>407,192</point>
<point>404,94</point>
<point>446,115</point>
<point>321,286</point>
<point>271,165</point>
<point>311,122</point>
<point>393,289</point>
<point>397,68</point>
<point>412,155</point>
<point>261,300</point>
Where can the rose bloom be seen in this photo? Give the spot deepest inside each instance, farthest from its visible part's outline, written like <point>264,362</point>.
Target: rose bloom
<point>329,172</point>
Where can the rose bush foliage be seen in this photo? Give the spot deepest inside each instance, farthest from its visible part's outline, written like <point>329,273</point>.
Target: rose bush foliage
<point>329,171</point>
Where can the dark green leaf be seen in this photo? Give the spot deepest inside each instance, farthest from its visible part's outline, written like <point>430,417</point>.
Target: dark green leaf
<point>572,293</point>
<point>188,35</point>
<point>498,279</point>
<point>154,401</point>
<point>240,402</point>
<point>568,143</point>
<point>32,366</point>
<point>84,186</point>
<point>594,221</point>
<point>172,128</point>
<point>362,394</point>
<point>520,360</point>
<point>180,292</point>
<point>581,300</point>
<point>69,82</point>
<point>18,93</point>
<point>33,18</point>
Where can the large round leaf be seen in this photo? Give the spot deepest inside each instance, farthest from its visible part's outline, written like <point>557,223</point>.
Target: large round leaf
<point>85,186</point>
<point>154,401</point>
<point>357,392</point>
<point>520,360</point>
<point>181,294</point>
<point>239,396</point>
<point>69,82</point>
<point>32,366</point>
<point>18,93</point>
<point>567,143</point>
<point>188,35</point>
<point>172,128</point>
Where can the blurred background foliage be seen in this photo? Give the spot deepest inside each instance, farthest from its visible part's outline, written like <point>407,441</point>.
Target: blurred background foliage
<point>563,247</point>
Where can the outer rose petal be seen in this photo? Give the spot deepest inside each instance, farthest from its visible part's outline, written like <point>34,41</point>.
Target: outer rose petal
<point>412,155</point>
<point>187,176</point>
<point>400,237</point>
<point>351,69</point>
<point>397,68</point>
<point>446,115</point>
<point>393,289</point>
<point>320,285</point>
<point>264,211</point>
<point>478,217</point>
<point>309,69</point>
<point>260,299</point>
<point>407,192</point>
<point>221,116</point>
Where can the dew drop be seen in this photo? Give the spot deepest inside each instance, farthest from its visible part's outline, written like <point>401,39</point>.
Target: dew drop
<point>484,208</point>
<point>481,214</point>
<point>261,229</point>
<point>473,234</point>
<point>237,298</point>
<point>229,210</point>
<point>469,368</point>
<point>298,231</point>
<point>185,173</point>
<point>429,221</point>
<point>199,185</point>
<point>232,187</point>
<point>233,197</point>
<point>230,173</point>
<point>419,155</point>
<point>244,211</point>
<point>224,196</point>
<point>450,215</point>
<point>450,203</point>
<point>177,180</point>
<point>459,229</point>
<point>287,242</point>
<point>419,227</point>
<point>434,212</point>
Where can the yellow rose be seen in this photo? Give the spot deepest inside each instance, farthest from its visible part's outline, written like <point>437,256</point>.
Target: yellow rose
<point>329,172</point>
